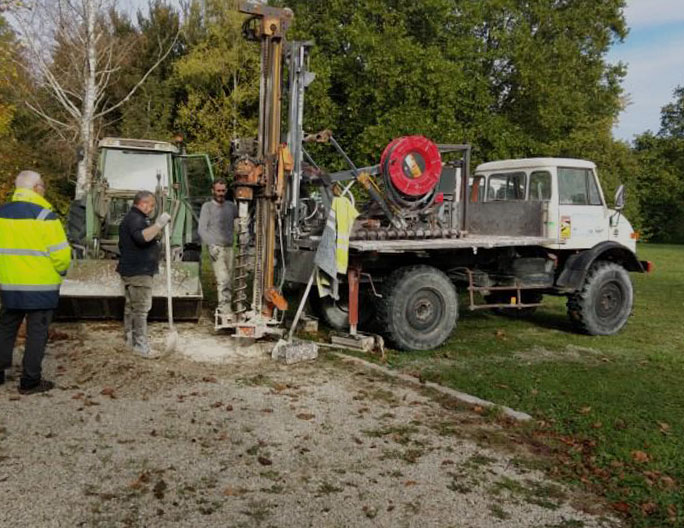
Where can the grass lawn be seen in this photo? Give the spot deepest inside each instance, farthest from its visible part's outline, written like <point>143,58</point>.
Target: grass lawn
<point>610,409</point>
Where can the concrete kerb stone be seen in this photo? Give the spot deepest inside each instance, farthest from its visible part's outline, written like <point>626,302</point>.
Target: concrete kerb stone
<point>461,396</point>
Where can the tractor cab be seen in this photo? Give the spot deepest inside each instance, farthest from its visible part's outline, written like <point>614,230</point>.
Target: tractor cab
<point>180,183</point>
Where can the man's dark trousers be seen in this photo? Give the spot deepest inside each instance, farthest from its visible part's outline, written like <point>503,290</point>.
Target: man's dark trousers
<point>37,323</point>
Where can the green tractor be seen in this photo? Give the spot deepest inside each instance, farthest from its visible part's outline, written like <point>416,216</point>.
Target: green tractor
<point>181,183</point>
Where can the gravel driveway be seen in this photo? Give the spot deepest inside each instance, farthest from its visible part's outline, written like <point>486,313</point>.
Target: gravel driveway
<point>245,441</point>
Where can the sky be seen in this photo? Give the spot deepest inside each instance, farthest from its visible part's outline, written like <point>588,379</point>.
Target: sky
<point>653,52</point>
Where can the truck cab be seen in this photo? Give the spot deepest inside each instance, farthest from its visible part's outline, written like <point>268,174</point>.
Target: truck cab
<point>577,215</point>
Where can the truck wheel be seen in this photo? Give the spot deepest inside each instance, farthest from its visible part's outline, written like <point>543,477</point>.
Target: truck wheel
<point>604,303</point>
<point>76,222</point>
<point>418,308</point>
<point>336,313</point>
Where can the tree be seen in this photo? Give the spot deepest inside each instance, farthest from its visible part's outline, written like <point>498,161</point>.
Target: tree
<point>512,77</point>
<point>672,116</point>
<point>220,77</point>
<point>660,183</point>
<point>8,76</point>
<point>75,56</point>
<point>152,111</point>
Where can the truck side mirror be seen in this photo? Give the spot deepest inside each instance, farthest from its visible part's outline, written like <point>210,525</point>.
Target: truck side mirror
<point>620,198</point>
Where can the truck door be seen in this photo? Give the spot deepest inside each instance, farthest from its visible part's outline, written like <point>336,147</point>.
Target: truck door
<point>195,177</point>
<point>582,215</point>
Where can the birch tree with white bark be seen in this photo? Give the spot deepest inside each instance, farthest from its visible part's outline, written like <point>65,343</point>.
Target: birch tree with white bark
<point>75,83</point>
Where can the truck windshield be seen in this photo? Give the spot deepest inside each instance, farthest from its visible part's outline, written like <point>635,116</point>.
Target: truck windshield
<point>135,169</point>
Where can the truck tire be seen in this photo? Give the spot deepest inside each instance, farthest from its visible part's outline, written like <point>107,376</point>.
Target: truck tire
<point>418,309</point>
<point>76,222</point>
<point>335,314</point>
<point>604,303</point>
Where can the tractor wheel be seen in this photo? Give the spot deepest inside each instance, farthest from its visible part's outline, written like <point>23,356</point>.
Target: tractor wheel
<point>418,309</point>
<point>76,222</point>
<point>604,303</point>
<point>191,255</point>
<point>530,297</point>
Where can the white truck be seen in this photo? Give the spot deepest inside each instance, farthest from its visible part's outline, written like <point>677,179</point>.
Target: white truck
<point>519,230</point>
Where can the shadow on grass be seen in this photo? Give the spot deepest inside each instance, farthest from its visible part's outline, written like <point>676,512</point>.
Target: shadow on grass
<point>548,317</point>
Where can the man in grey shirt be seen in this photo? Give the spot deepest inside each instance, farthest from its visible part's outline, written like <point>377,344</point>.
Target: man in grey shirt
<point>216,231</point>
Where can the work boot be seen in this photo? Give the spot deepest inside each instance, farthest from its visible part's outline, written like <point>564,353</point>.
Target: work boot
<point>142,349</point>
<point>129,339</point>
<point>34,387</point>
<point>147,353</point>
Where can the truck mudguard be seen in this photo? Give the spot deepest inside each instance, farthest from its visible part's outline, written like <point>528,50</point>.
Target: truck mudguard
<point>576,267</point>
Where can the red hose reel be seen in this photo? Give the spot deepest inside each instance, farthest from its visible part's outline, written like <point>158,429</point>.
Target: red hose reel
<point>413,165</point>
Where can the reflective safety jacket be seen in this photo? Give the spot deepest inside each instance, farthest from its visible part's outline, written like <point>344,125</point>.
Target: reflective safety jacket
<point>34,253</point>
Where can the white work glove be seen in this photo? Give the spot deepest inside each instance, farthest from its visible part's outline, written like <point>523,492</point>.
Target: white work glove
<point>162,220</point>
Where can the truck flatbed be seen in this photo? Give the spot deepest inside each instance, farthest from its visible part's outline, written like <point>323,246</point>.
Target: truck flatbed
<point>472,241</point>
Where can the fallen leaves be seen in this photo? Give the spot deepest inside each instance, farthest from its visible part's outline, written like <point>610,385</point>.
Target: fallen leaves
<point>654,478</point>
<point>56,335</point>
<point>306,416</point>
<point>640,456</point>
<point>234,492</point>
<point>108,391</point>
<point>264,461</point>
<point>648,508</point>
<point>664,427</point>
<point>142,479</point>
<point>159,489</point>
<point>672,514</point>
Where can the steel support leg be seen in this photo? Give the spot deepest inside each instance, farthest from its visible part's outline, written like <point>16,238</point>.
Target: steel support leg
<point>353,274</point>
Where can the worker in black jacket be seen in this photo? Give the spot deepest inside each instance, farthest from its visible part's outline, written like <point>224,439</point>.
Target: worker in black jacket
<point>138,263</point>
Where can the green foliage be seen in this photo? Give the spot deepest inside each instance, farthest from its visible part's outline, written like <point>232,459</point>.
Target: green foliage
<point>220,76</point>
<point>10,158</point>
<point>513,78</point>
<point>659,181</point>
<point>152,110</point>
<point>672,116</point>
<point>8,76</point>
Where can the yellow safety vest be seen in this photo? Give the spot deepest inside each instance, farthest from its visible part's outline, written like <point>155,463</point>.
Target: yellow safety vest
<point>34,253</point>
<point>345,214</point>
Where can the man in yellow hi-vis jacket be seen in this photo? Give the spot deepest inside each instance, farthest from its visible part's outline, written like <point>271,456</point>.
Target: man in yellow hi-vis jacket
<point>34,256</point>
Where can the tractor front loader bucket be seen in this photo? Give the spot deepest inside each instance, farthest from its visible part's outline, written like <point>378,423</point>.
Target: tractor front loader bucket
<point>93,289</point>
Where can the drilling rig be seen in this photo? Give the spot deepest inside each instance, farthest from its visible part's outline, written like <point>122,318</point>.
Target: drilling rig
<point>259,185</point>
<point>507,235</point>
